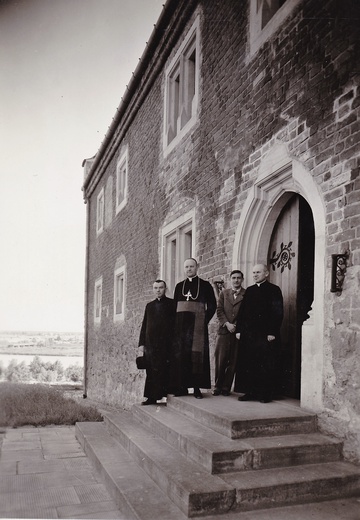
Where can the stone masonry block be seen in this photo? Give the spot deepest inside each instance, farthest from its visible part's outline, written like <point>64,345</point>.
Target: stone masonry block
<point>334,194</point>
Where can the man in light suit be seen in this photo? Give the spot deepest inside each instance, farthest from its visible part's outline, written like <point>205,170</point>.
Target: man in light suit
<point>227,345</point>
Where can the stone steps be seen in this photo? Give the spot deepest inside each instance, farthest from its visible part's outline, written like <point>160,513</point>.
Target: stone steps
<point>135,493</point>
<point>219,454</point>
<point>238,420</point>
<point>176,453</point>
<point>186,483</point>
<point>294,485</point>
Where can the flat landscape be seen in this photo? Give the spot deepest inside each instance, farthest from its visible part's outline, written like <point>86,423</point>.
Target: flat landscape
<point>53,350</point>
<point>41,343</point>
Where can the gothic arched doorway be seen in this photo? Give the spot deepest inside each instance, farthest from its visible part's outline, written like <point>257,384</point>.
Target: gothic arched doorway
<point>278,179</point>
<point>291,262</point>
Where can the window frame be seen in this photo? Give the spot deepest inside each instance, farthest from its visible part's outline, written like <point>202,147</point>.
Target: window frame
<point>117,273</point>
<point>98,285</point>
<point>181,113</point>
<point>257,35</point>
<point>177,229</point>
<point>122,161</point>
<point>100,211</point>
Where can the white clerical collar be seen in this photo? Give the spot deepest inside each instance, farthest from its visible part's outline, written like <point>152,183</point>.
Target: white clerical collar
<point>191,279</point>
<point>260,283</point>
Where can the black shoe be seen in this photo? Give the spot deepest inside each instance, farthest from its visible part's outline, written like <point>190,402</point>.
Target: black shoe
<point>216,391</point>
<point>246,397</point>
<point>148,401</point>
<point>197,393</point>
<point>225,392</point>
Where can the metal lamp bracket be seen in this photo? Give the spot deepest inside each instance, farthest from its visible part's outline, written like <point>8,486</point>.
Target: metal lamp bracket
<point>219,285</point>
<point>338,270</point>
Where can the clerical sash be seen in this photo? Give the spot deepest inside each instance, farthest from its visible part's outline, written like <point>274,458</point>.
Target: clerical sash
<point>197,350</point>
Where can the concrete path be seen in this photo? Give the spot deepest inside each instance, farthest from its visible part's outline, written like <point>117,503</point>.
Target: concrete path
<point>44,473</point>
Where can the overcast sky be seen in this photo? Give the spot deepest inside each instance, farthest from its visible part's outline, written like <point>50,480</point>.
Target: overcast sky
<point>64,66</point>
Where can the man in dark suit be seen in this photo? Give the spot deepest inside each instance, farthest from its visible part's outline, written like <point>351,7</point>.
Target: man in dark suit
<point>227,345</point>
<point>156,336</point>
<point>258,328</point>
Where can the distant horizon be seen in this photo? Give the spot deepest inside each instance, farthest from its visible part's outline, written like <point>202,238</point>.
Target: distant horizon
<point>25,331</point>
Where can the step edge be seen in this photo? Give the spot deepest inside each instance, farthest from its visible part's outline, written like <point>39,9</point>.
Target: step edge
<point>244,447</point>
<point>162,442</point>
<point>105,475</point>
<point>324,439</point>
<point>178,489</point>
<point>231,427</point>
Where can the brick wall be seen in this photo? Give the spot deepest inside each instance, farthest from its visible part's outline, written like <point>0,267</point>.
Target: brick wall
<point>300,90</point>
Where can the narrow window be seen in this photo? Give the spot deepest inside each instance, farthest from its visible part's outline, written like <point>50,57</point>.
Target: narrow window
<point>181,97</point>
<point>119,293</point>
<point>178,245</point>
<point>188,85</point>
<point>170,259</point>
<point>121,182</point>
<point>266,16</point>
<point>98,300</point>
<point>267,8</point>
<point>100,207</point>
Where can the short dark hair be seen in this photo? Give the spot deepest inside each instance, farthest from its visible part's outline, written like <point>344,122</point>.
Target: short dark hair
<point>161,281</point>
<point>236,271</point>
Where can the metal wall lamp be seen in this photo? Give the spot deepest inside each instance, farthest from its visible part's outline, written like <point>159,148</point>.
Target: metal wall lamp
<point>338,270</point>
<point>219,285</point>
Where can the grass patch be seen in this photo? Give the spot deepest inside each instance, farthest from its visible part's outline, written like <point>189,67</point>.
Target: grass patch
<point>40,405</point>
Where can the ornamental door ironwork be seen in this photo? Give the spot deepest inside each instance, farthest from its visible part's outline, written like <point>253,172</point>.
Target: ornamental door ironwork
<point>291,263</point>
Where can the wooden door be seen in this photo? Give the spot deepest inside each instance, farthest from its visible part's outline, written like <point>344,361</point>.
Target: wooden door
<point>291,261</point>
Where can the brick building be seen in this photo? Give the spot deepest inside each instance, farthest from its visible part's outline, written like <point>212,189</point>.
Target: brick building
<point>236,141</point>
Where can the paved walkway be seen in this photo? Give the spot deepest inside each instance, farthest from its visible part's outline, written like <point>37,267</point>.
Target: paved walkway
<point>44,473</point>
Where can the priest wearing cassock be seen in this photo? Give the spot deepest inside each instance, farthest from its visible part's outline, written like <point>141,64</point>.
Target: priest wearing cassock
<point>195,306</point>
<point>258,328</point>
<point>155,338</point>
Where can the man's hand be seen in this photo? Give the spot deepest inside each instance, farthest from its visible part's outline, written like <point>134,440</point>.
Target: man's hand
<point>237,335</point>
<point>270,338</point>
<point>230,327</point>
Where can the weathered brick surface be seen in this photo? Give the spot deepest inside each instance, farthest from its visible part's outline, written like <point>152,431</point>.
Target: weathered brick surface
<point>301,90</point>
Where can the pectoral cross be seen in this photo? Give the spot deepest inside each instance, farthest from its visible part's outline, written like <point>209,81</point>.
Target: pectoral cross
<point>188,296</point>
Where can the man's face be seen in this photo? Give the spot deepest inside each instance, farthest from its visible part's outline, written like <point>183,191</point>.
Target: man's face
<point>236,281</point>
<point>260,273</point>
<point>190,268</point>
<point>159,289</point>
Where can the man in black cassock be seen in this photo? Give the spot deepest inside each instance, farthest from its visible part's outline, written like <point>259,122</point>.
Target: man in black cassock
<point>258,327</point>
<point>195,306</point>
<point>156,336</point>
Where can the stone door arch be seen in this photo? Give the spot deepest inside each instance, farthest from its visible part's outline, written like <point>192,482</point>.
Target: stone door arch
<point>279,177</point>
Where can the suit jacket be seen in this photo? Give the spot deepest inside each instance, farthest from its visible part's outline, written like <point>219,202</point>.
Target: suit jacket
<point>228,308</point>
<point>261,311</point>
